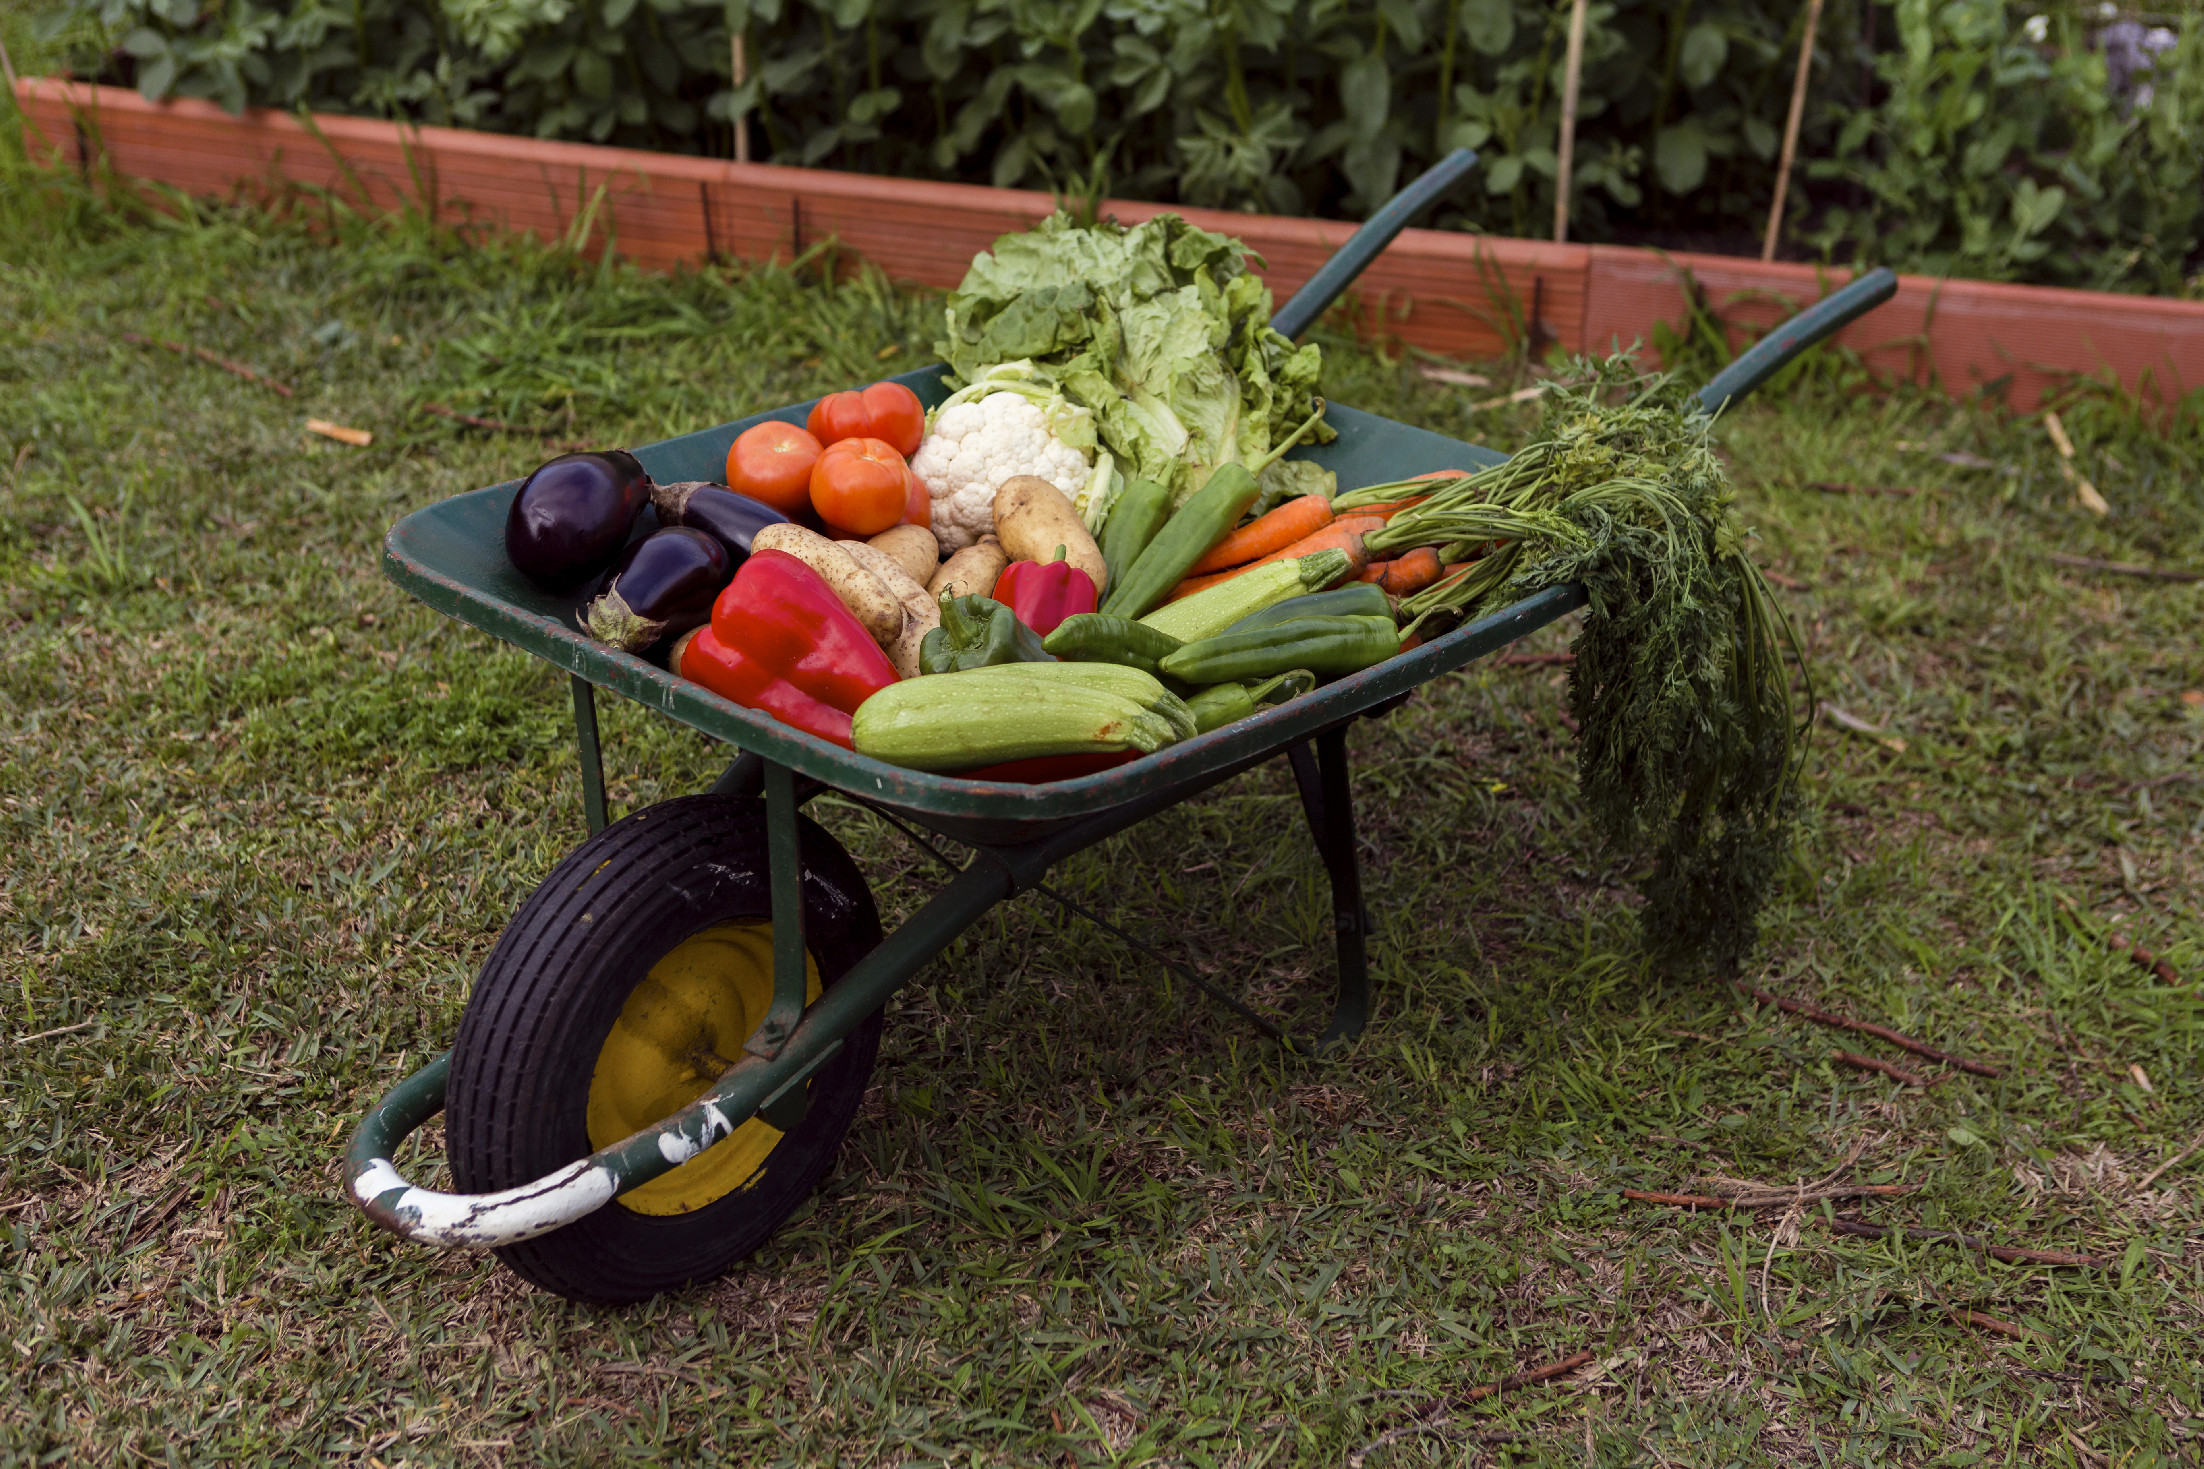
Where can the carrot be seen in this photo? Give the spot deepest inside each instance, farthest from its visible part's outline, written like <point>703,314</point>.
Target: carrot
<point>1411,573</point>
<point>1375,571</point>
<point>1343,534</point>
<point>1443,474</point>
<point>1282,527</point>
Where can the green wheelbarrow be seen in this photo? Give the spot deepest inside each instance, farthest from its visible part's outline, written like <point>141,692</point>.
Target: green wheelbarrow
<point>660,1059</point>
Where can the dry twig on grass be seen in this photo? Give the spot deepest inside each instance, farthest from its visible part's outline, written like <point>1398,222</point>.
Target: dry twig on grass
<point>2084,492</point>
<point>2174,1162</point>
<point>498,426</point>
<point>2008,1253</point>
<point>1846,719</point>
<point>2124,568</point>
<point>238,369</point>
<point>1988,1322</point>
<point>1435,1415</point>
<point>1865,1027</point>
<point>1845,487</point>
<point>1769,1198</point>
<point>24,1040</point>
<point>1895,1073</point>
<point>2121,944</point>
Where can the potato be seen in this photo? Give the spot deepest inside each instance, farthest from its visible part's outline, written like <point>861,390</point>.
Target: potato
<point>1033,518</point>
<point>921,614</point>
<point>972,572</point>
<point>913,548</point>
<point>863,593</point>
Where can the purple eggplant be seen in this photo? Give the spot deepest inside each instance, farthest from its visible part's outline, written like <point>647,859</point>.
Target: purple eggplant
<point>728,518</point>
<point>661,586</point>
<point>573,515</point>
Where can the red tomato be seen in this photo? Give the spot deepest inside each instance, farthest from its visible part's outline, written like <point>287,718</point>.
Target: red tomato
<point>839,416</point>
<point>896,416</point>
<point>772,461</point>
<point>886,411</point>
<point>918,504</point>
<point>860,487</point>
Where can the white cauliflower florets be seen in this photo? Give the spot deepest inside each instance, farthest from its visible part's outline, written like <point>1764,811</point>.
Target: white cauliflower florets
<point>974,446</point>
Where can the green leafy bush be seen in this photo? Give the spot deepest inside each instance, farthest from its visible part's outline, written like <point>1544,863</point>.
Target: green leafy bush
<point>1963,143</point>
<point>1999,155</point>
<point>1287,106</point>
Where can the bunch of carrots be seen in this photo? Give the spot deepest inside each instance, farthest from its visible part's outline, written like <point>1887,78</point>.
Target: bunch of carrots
<point>1310,523</point>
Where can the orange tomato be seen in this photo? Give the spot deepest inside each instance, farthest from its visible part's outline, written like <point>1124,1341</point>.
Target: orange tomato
<point>773,461</point>
<point>889,412</point>
<point>860,487</point>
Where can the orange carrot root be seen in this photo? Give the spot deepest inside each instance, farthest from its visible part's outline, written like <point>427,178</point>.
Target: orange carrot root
<point>1343,534</point>
<point>1411,572</point>
<point>1375,572</point>
<point>1281,527</point>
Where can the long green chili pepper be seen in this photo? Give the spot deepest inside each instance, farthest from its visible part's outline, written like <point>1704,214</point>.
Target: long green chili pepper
<point>1323,645</point>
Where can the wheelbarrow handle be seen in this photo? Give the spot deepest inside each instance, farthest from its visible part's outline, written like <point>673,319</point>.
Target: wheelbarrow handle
<point>1773,352</point>
<point>1368,242</point>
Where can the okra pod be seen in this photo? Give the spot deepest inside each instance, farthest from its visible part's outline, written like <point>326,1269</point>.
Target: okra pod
<point>1140,512</point>
<point>1186,537</point>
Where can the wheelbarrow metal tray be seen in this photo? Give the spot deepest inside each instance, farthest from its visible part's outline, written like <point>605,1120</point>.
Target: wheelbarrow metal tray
<point>452,556</point>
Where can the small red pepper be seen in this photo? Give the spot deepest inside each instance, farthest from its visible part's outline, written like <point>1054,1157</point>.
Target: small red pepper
<point>1041,768</point>
<point>1044,593</point>
<point>782,643</point>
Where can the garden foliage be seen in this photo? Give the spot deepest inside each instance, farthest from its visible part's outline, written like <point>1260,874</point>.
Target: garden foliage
<point>1972,136</point>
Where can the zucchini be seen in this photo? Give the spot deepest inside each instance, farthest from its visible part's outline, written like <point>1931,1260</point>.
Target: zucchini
<point>1209,612</point>
<point>961,721</point>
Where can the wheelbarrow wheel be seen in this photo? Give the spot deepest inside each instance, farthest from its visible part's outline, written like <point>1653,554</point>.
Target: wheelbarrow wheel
<point>628,981</point>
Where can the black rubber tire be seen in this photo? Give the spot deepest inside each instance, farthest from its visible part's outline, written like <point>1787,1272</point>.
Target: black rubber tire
<point>549,995</point>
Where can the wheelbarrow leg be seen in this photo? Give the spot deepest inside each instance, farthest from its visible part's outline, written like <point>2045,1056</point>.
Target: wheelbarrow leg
<point>1322,777</point>
<point>593,765</point>
<point>785,1108</point>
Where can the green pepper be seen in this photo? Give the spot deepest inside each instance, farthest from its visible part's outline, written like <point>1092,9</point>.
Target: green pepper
<point>1095,637</point>
<point>1324,645</point>
<point>978,632</point>
<point>1220,705</point>
<point>1186,537</point>
<point>1134,520</point>
<point>1356,599</point>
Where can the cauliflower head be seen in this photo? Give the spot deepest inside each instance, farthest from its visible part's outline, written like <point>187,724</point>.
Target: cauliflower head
<point>973,446</point>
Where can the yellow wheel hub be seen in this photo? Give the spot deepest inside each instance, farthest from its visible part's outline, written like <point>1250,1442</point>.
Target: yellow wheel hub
<point>684,1025</point>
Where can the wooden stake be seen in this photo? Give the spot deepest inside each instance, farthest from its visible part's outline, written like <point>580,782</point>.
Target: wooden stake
<point>739,70</point>
<point>1571,73</point>
<point>1790,129</point>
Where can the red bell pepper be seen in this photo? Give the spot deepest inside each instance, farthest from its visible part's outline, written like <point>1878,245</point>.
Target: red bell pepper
<point>1041,768</point>
<point>782,643</point>
<point>1044,593</point>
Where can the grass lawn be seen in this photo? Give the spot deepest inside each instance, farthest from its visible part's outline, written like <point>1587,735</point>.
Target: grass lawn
<point>261,818</point>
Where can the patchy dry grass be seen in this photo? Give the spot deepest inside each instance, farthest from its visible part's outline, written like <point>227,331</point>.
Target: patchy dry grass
<point>260,819</point>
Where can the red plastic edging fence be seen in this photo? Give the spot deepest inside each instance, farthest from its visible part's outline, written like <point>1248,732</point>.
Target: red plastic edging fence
<point>1469,296</point>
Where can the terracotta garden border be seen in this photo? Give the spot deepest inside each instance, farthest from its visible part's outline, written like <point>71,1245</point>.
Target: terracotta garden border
<point>1454,294</point>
